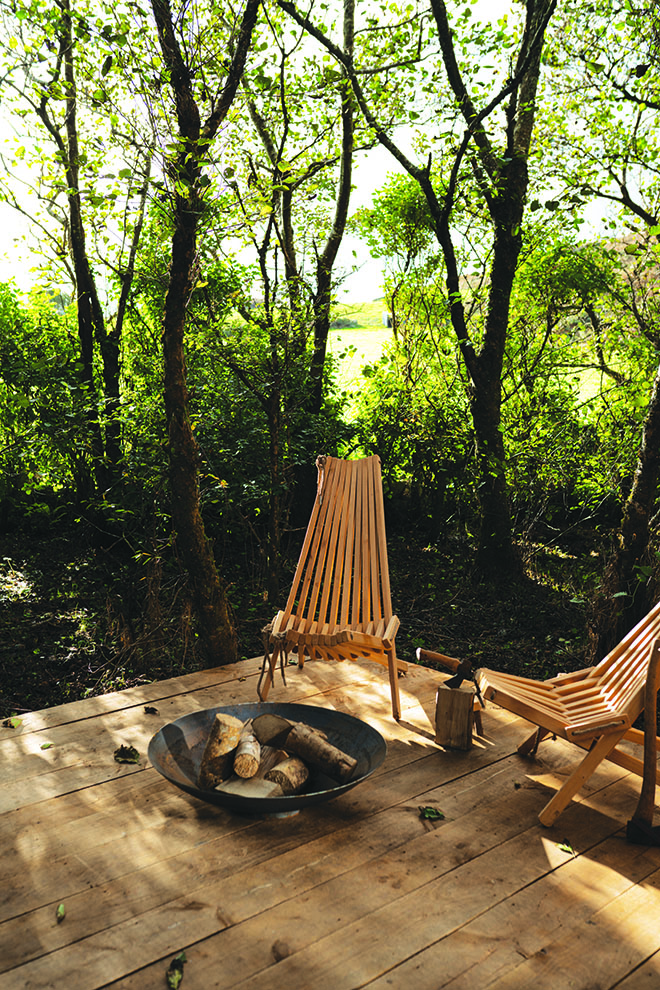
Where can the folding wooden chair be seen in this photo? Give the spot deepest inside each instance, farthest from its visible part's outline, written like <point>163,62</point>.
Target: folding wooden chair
<point>339,606</point>
<point>593,708</point>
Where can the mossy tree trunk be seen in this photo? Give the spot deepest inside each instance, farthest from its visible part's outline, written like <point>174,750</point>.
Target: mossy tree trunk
<point>212,613</point>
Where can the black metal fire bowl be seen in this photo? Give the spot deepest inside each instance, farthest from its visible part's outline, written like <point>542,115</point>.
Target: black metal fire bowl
<point>176,751</point>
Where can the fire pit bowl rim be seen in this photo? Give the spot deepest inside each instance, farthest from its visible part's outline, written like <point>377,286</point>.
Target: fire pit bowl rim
<point>175,751</point>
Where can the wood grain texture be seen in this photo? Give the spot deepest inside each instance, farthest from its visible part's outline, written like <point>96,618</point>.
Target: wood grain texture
<point>361,891</point>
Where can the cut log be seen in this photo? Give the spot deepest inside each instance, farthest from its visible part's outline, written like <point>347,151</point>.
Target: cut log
<point>291,775</point>
<point>311,747</point>
<point>307,742</point>
<point>217,761</point>
<point>257,786</point>
<point>454,715</point>
<point>271,730</point>
<point>248,752</point>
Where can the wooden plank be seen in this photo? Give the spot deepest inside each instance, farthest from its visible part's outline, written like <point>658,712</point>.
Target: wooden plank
<point>333,572</point>
<point>88,821</point>
<point>354,890</point>
<point>342,557</point>
<point>485,949</point>
<point>600,951</point>
<point>89,825</point>
<point>144,694</point>
<point>345,930</point>
<point>645,977</point>
<point>376,607</point>
<point>382,855</point>
<point>79,827</point>
<point>87,746</point>
<point>90,744</point>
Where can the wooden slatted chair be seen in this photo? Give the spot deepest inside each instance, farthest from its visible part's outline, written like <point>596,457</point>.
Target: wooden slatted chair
<point>593,708</point>
<point>339,606</point>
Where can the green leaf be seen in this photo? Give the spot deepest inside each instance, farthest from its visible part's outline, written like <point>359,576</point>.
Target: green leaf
<point>12,723</point>
<point>60,914</point>
<point>107,65</point>
<point>566,847</point>
<point>45,746</point>
<point>174,973</point>
<point>428,813</point>
<point>127,754</point>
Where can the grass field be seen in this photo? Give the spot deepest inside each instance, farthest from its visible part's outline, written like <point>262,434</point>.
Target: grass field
<point>361,344</point>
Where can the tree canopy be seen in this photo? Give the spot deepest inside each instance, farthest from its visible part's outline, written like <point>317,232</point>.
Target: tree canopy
<point>189,175</point>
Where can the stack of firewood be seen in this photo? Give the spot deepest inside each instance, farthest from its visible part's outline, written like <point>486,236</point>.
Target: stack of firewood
<point>268,756</point>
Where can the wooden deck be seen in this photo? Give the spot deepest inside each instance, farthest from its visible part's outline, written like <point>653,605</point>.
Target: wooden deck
<point>359,892</point>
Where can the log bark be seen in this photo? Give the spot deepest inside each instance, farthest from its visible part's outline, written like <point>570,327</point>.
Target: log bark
<point>307,742</point>
<point>217,759</point>
<point>310,746</point>
<point>291,775</point>
<point>271,730</point>
<point>248,753</point>
<point>454,716</point>
<point>257,786</point>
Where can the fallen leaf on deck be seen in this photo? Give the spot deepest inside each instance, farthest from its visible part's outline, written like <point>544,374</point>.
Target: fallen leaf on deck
<point>45,746</point>
<point>127,754</point>
<point>430,814</point>
<point>174,974</point>
<point>60,914</point>
<point>244,678</point>
<point>12,723</point>
<point>566,847</point>
<point>150,710</point>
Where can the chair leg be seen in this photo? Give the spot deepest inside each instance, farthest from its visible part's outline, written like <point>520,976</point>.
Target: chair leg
<point>531,744</point>
<point>392,668</point>
<point>596,754</point>
<point>476,715</point>
<point>268,672</point>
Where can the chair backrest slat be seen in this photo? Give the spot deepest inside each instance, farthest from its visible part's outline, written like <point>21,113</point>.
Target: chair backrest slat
<point>622,673</point>
<point>342,575</point>
<point>334,563</point>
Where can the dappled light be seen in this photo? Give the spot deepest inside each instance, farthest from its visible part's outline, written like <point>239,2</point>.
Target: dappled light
<point>14,583</point>
<point>396,266</point>
<point>124,851</point>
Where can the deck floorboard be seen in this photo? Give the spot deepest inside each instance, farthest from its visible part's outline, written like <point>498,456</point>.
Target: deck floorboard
<point>357,892</point>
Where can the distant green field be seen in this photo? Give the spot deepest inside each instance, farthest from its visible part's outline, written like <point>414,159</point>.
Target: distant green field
<point>361,344</point>
<point>366,314</point>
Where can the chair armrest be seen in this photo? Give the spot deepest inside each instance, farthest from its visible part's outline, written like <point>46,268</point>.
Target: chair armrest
<point>390,631</point>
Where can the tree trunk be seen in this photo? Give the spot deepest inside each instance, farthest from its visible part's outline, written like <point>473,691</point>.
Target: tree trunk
<point>503,181</point>
<point>90,317</point>
<point>276,512</point>
<point>217,634</point>
<point>327,258</point>
<point>214,625</point>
